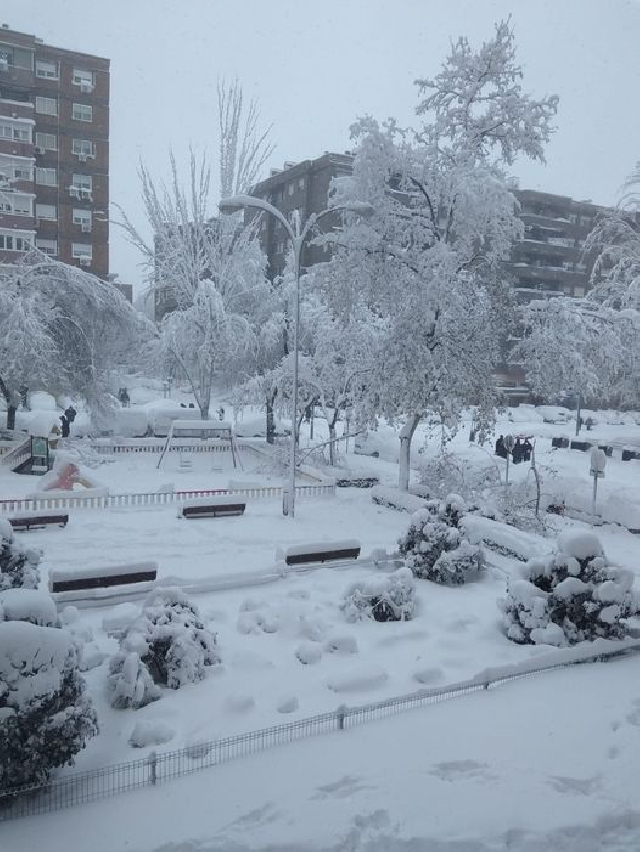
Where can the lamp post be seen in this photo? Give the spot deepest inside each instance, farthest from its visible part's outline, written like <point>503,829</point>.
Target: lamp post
<point>297,234</point>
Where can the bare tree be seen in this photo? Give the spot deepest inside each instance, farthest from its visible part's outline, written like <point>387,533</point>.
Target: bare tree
<point>244,147</point>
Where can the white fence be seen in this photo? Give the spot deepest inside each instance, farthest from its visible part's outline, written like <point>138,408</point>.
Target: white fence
<point>111,449</point>
<point>47,502</point>
<point>92,785</point>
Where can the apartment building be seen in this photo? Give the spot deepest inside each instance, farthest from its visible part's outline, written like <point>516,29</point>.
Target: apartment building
<point>54,152</point>
<point>549,261</point>
<point>298,186</point>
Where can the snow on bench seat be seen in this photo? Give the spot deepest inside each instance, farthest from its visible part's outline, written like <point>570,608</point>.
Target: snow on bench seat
<point>325,551</point>
<point>213,507</point>
<point>104,577</point>
<point>31,520</point>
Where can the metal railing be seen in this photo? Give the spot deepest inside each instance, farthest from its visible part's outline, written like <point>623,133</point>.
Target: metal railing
<point>17,455</point>
<point>152,498</point>
<point>92,785</point>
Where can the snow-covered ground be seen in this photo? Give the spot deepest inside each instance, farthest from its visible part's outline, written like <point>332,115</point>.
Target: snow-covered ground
<point>514,768</point>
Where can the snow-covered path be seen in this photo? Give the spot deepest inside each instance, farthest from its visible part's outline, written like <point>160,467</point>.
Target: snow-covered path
<point>548,763</point>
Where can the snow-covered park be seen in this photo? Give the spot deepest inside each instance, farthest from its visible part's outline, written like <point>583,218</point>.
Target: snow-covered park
<point>287,648</point>
<point>331,541</point>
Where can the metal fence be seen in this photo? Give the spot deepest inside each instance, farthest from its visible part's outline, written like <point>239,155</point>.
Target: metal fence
<point>81,787</point>
<point>152,498</point>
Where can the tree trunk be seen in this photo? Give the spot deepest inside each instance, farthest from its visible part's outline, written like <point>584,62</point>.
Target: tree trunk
<point>578,414</point>
<point>271,426</point>
<point>406,435</point>
<point>332,443</point>
<point>11,417</point>
<point>204,411</point>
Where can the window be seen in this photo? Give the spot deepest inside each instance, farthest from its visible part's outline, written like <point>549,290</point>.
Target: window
<point>18,57</point>
<point>14,242</point>
<point>291,188</point>
<point>280,248</point>
<point>82,112</point>
<point>48,141</point>
<point>82,147</point>
<point>22,173</point>
<point>82,218</point>
<point>578,292</point>
<point>81,250</point>
<point>22,205</point>
<point>301,183</point>
<point>46,211</point>
<point>83,182</point>
<point>47,177</point>
<point>15,131</point>
<point>49,70</point>
<point>83,78</point>
<point>47,106</point>
<point>49,247</point>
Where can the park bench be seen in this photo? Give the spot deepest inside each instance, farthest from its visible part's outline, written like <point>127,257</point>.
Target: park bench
<point>303,554</point>
<point>102,578</point>
<point>630,455</point>
<point>38,520</point>
<point>213,507</point>
<point>581,445</point>
<point>358,482</point>
<point>560,443</point>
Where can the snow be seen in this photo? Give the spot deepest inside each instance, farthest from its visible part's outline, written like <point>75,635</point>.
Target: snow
<point>28,605</point>
<point>149,732</point>
<point>579,545</point>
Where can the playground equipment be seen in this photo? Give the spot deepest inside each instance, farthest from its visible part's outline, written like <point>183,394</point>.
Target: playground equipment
<point>204,430</point>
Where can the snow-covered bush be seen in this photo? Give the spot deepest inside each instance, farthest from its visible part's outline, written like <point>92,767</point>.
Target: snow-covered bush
<point>130,684</point>
<point>18,565</point>
<point>150,732</point>
<point>570,596</point>
<point>436,547</point>
<point>394,499</point>
<point>446,473</point>
<point>171,639</point>
<point>30,605</point>
<point>45,716</point>
<point>383,598</point>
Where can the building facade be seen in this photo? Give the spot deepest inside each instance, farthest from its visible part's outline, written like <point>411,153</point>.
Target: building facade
<point>298,186</point>
<point>54,152</point>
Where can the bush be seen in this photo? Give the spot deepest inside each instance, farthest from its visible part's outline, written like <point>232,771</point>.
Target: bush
<point>572,596</point>
<point>436,548</point>
<point>18,565</point>
<point>130,684</point>
<point>388,598</point>
<point>170,647</point>
<point>45,717</point>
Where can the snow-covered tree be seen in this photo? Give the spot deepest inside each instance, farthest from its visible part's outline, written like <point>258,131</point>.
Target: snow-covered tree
<point>572,596</point>
<point>569,345</point>
<point>18,565</point>
<point>244,146</point>
<point>428,260</point>
<point>63,329</point>
<point>45,715</point>
<point>436,547</point>
<point>208,274</point>
<point>129,683</point>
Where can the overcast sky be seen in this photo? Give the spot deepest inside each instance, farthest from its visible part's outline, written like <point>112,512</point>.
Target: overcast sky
<point>316,66</point>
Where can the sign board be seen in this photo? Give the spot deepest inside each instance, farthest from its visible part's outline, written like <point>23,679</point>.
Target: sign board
<point>40,452</point>
<point>509,442</point>
<point>598,461</point>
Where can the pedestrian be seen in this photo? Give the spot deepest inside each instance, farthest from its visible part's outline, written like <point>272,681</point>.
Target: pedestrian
<point>517,452</point>
<point>70,413</point>
<point>527,449</point>
<point>65,426</point>
<point>500,448</point>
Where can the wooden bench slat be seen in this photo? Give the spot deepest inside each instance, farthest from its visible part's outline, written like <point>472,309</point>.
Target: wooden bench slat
<point>26,522</point>
<point>103,582</point>
<point>322,556</point>
<point>213,510</point>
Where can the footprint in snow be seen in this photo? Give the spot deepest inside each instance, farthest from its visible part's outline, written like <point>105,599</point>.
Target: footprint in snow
<point>341,788</point>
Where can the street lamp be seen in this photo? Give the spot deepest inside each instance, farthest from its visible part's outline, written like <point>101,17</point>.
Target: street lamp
<point>297,234</point>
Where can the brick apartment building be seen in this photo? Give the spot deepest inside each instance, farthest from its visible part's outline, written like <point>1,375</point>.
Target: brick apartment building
<point>54,152</point>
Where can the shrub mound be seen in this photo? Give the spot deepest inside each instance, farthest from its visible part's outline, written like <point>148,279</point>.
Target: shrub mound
<point>387,598</point>
<point>570,596</point>
<point>435,545</point>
